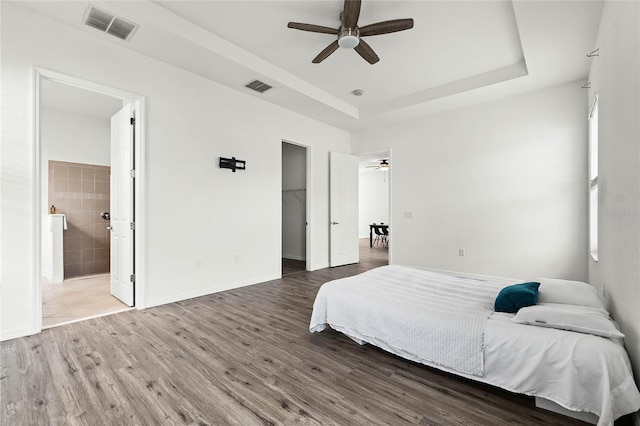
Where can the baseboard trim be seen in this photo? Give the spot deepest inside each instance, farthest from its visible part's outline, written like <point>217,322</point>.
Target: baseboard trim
<point>318,266</point>
<point>209,290</point>
<point>294,257</point>
<point>16,333</point>
<point>106,314</point>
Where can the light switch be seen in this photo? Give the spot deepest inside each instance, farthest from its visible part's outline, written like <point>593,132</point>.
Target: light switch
<point>408,215</point>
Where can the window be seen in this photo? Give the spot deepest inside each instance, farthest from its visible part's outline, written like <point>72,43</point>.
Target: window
<point>593,179</point>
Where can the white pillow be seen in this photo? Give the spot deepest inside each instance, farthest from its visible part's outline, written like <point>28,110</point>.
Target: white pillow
<point>554,290</point>
<point>583,319</point>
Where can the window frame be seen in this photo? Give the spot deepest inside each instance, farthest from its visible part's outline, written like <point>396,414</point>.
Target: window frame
<point>593,194</point>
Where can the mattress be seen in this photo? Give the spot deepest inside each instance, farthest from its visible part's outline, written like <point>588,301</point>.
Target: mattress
<point>580,372</point>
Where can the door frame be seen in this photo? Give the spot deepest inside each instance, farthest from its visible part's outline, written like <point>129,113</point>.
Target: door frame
<point>389,152</point>
<point>138,102</point>
<point>308,199</point>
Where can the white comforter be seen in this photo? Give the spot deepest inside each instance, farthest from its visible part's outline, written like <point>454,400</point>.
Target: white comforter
<point>439,318</point>
<point>578,371</point>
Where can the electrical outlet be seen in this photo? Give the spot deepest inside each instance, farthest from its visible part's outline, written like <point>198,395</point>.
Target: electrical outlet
<point>461,252</point>
<point>408,215</point>
<point>196,264</point>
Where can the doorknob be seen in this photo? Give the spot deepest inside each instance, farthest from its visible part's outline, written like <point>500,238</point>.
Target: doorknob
<point>109,228</point>
<point>335,223</point>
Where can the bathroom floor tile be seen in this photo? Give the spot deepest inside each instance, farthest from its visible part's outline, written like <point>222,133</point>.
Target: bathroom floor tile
<point>78,298</point>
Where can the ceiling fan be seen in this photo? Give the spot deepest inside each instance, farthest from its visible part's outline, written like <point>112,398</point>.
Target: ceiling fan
<point>384,165</point>
<point>349,34</point>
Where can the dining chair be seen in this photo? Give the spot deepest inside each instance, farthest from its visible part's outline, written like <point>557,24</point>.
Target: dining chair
<point>385,236</point>
<point>379,235</point>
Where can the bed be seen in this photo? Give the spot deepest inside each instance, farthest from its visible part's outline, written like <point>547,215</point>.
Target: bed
<point>449,323</point>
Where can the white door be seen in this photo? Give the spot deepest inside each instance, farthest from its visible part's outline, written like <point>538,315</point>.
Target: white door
<point>121,208</point>
<point>343,220</point>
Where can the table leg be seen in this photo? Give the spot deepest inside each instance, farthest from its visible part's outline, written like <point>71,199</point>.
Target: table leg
<point>370,236</point>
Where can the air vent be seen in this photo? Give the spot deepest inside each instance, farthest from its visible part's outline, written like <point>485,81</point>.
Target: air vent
<point>108,23</point>
<point>258,86</point>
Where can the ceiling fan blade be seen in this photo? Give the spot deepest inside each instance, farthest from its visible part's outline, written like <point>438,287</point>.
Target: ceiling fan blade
<point>351,13</point>
<point>366,52</point>
<point>312,28</point>
<point>386,27</point>
<point>326,52</point>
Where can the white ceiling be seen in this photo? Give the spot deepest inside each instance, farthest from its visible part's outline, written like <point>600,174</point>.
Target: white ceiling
<point>458,53</point>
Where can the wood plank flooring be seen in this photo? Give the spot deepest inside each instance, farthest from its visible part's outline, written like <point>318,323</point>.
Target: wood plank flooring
<point>240,357</point>
<point>290,266</point>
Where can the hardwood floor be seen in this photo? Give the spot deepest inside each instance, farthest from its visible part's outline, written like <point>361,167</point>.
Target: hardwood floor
<point>78,298</point>
<point>290,266</point>
<point>240,357</point>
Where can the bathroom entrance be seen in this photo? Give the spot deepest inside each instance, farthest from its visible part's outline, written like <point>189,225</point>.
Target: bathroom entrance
<point>87,203</point>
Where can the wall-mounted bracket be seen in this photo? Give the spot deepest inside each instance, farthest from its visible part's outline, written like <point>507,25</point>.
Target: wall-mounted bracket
<point>232,163</point>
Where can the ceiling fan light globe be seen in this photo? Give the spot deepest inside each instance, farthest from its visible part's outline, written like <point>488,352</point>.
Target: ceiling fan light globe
<point>349,38</point>
<point>349,42</point>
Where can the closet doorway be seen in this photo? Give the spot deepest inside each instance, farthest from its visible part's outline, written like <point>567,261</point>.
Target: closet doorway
<point>295,253</point>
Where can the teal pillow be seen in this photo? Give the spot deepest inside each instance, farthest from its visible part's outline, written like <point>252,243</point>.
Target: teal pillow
<point>516,296</point>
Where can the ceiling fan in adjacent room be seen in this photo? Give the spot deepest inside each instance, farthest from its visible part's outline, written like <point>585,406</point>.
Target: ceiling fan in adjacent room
<point>349,34</point>
<point>384,165</point>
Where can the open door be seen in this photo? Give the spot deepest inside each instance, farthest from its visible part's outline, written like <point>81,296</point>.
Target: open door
<point>121,206</point>
<point>343,227</point>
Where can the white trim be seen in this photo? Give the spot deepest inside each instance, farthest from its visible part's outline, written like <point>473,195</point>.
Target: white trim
<point>91,317</point>
<point>210,290</point>
<point>308,201</point>
<point>36,221</point>
<point>390,230</point>
<point>16,333</point>
<point>293,257</point>
<point>140,182</point>
<point>593,105</point>
<point>70,80</point>
<point>315,267</point>
<point>386,152</point>
<point>308,208</point>
<point>140,185</point>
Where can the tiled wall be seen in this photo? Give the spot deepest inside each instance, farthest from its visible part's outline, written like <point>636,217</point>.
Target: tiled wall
<point>81,191</point>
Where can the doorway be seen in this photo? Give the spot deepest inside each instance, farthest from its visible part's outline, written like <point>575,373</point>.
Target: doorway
<point>294,208</point>
<point>74,143</point>
<point>374,219</point>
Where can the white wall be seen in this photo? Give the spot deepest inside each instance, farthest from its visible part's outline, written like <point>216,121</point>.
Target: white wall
<point>294,197</point>
<point>615,76</point>
<point>230,222</point>
<point>503,180</point>
<point>73,138</point>
<point>373,200</point>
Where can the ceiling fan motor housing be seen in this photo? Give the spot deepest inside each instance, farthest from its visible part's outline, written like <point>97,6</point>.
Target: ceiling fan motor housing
<point>349,37</point>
